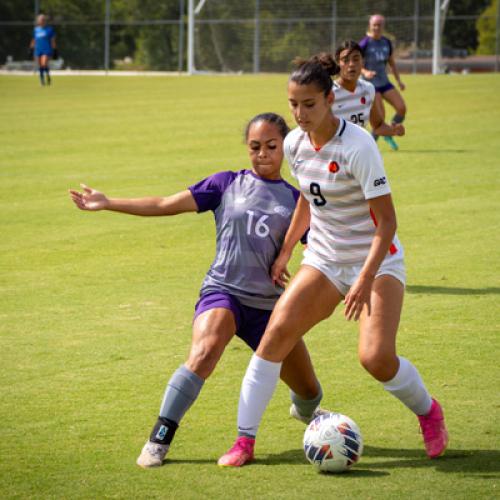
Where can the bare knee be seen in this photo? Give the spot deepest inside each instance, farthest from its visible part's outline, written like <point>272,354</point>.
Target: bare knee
<point>203,357</point>
<point>276,343</point>
<point>381,366</point>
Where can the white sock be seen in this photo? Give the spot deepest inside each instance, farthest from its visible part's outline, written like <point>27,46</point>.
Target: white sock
<point>409,388</point>
<point>257,390</point>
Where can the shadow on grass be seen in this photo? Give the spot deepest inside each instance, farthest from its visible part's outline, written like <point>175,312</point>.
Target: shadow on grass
<point>469,461</point>
<point>287,457</point>
<point>433,151</point>
<point>447,290</point>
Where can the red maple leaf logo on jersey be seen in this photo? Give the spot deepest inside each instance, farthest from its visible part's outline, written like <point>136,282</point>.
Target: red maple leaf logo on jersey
<point>363,100</point>
<point>333,167</point>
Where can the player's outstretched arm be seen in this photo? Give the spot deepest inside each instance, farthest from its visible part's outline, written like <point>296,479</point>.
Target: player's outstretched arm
<point>93,200</point>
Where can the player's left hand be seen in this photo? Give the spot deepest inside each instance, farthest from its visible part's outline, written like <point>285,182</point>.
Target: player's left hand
<point>55,54</point>
<point>279,272</point>
<point>398,129</point>
<point>358,297</point>
<point>402,86</point>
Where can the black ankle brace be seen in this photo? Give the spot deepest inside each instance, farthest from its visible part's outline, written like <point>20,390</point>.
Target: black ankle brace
<point>163,431</point>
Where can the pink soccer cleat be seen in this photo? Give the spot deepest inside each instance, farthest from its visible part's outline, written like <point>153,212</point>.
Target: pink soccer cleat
<point>240,454</point>
<point>434,431</point>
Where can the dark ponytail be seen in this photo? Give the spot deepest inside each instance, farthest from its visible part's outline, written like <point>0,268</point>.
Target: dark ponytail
<point>272,118</point>
<point>318,69</point>
<point>349,45</point>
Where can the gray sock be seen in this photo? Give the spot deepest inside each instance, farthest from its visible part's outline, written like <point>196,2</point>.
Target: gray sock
<point>398,118</point>
<point>306,406</point>
<point>181,392</point>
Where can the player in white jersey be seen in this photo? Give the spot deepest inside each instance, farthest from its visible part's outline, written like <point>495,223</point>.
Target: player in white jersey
<point>353,255</point>
<point>355,97</point>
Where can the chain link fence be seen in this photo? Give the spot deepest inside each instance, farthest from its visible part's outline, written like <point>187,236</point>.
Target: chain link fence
<point>253,36</point>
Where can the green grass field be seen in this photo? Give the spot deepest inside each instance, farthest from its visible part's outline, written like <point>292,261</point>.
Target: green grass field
<point>96,308</point>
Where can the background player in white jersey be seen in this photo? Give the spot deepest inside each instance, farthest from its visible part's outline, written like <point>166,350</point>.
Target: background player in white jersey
<point>355,97</point>
<point>252,210</point>
<point>353,253</point>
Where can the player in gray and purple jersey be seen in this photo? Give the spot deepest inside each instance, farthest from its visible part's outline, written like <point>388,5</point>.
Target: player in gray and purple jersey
<point>378,53</point>
<point>252,209</point>
<point>252,215</point>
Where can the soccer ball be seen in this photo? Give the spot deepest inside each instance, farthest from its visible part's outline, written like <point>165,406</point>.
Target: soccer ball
<point>333,442</point>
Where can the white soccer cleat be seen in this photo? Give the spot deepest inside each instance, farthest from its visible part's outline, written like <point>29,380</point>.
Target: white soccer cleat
<point>306,420</point>
<point>152,455</point>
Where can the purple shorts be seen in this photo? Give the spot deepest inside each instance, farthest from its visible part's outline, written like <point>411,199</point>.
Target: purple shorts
<point>250,322</point>
<point>384,88</point>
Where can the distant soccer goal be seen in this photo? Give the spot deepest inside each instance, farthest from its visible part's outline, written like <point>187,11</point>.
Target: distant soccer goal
<point>265,35</point>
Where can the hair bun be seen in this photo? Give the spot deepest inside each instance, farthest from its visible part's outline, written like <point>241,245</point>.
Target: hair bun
<point>327,61</point>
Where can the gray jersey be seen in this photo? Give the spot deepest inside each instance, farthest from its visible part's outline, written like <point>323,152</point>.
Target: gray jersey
<point>376,54</point>
<point>252,216</point>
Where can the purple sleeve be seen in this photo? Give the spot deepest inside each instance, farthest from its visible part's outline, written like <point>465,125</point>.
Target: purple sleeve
<point>208,192</point>
<point>390,46</point>
<point>364,43</point>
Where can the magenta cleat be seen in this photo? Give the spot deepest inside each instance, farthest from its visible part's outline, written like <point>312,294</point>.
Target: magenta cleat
<point>240,454</point>
<point>434,431</point>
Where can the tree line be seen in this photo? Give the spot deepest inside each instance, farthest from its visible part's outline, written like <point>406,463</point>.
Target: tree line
<point>227,45</point>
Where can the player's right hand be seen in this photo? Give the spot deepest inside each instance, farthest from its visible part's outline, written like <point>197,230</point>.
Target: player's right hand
<point>398,129</point>
<point>30,53</point>
<point>89,199</point>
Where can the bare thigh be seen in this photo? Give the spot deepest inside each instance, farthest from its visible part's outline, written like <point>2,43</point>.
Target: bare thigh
<point>377,331</point>
<point>310,298</point>
<point>394,98</point>
<point>43,60</point>
<point>212,331</point>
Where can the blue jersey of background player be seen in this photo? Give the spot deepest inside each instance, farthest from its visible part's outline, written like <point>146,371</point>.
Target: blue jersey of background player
<point>43,46</point>
<point>378,53</point>
<point>252,209</point>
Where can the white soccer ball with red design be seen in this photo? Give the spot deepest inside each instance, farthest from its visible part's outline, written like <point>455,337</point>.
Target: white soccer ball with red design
<point>333,443</point>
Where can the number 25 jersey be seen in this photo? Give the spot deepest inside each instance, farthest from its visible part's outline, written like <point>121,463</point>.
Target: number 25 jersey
<point>354,106</point>
<point>337,180</point>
